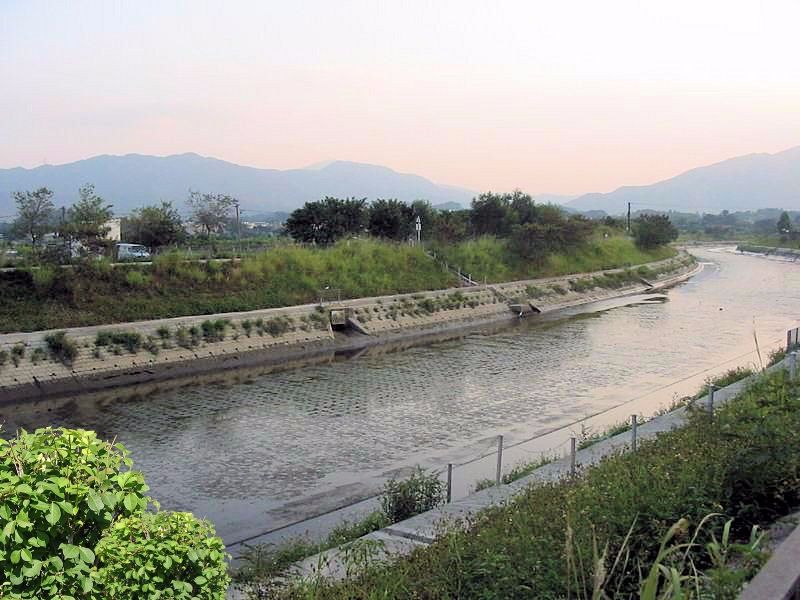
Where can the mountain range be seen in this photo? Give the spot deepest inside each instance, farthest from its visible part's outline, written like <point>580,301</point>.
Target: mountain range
<point>748,182</point>
<point>134,180</point>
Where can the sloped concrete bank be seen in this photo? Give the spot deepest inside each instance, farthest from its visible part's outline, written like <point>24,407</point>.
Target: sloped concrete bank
<point>40,365</point>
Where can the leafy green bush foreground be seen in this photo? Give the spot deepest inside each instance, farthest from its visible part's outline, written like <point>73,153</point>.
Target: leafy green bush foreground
<point>600,535</point>
<point>74,524</point>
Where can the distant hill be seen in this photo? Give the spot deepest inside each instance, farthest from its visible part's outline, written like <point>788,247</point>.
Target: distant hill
<point>748,182</point>
<point>134,180</point>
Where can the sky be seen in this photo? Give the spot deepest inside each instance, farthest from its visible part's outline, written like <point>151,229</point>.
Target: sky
<point>559,97</point>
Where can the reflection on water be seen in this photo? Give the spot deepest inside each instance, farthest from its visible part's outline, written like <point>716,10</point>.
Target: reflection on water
<point>237,451</point>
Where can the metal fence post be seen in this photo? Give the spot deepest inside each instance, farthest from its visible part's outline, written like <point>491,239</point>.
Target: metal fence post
<point>449,482</point>
<point>499,473</point>
<point>573,448</point>
<point>792,366</point>
<point>711,389</point>
<point>634,425</point>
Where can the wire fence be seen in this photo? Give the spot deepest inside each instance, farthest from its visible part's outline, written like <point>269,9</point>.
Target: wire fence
<point>489,464</point>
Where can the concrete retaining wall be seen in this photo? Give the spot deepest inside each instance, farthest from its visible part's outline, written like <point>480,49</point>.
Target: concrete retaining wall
<point>177,346</point>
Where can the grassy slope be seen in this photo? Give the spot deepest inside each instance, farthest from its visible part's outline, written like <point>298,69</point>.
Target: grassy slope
<point>489,258</point>
<point>283,276</point>
<point>744,464</point>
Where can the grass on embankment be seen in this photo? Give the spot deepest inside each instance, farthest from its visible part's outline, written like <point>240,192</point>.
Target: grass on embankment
<point>95,293</point>
<point>491,258</point>
<point>564,539</point>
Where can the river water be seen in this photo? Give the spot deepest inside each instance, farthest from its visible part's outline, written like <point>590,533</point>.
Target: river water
<point>256,450</point>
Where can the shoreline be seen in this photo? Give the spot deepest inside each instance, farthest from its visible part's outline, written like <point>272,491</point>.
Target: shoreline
<point>350,327</point>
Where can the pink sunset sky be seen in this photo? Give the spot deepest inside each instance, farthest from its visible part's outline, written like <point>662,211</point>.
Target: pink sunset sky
<point>561,97</point>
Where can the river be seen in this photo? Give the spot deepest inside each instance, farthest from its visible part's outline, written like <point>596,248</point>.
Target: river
<point>259,449</point>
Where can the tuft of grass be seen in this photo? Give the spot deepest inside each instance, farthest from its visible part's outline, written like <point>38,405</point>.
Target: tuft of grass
<point>130,340</point>
<point>61,347</point>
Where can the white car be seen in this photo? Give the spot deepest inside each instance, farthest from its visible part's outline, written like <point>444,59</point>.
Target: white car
<point>131,252</point>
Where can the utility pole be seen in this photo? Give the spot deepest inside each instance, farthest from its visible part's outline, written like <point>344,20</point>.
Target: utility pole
<point>238,229</point>
<point>629,217</point>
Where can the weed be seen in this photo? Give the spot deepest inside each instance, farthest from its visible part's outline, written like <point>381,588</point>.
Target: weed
<point>405,498</point>
<point>38,355</point>
<point>247,325</point>
<point>62,349</point>
<point>151,345</point>
<point>214,330</point>
<point>17,353</point>
<point>136,279</point>
<point>130,340</point>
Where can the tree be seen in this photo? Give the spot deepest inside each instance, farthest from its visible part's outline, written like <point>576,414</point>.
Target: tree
<point>34,210</point>
<point>155,226</point>
<point>490,214</point>
<point>87,219</point>
<point>325,221</point>
<point>211,211</point>
<point>654,230</point>
<point>449,226</point>
<point>784,224</point>
<point>390,219</point>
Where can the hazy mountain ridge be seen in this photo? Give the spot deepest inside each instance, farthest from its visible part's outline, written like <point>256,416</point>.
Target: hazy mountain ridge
<point>134,180</point>
<point>747,182</point>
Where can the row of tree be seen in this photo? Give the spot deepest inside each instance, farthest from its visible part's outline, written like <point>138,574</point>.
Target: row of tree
<point>532,229</point>
<point>87,220</point>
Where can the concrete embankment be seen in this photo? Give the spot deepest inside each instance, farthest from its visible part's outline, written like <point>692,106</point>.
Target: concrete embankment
<point>787,253</point>
<point>147,351</point>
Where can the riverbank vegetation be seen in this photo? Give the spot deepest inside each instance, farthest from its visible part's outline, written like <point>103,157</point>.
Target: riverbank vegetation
<point>349,246</point>
<point>76,523</point>
<point>608,533</point>
<point>95,292</point>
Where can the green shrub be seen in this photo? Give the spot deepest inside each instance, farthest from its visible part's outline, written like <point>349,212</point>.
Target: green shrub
<point>535,292</point>
<point>163,332</point>
<point>43,278</point>
<point>405,498</point>
<point>136,279</point>
<point>130,340</point>
<point>247,325</point>
<point>214,330</point>
<point>75,526</point>
<point>38,355</point>
<point>166,554</point>
<point>59,490</point>
<point>187,337</point>
<point>277,326</point>
<point>62,349</point>
<point>151,346</point>
<point>17,353</point>
<point>3,357</point>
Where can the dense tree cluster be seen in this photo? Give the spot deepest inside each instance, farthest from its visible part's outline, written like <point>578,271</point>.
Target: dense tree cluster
<point>654,230</point>
<point>532,230</point>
